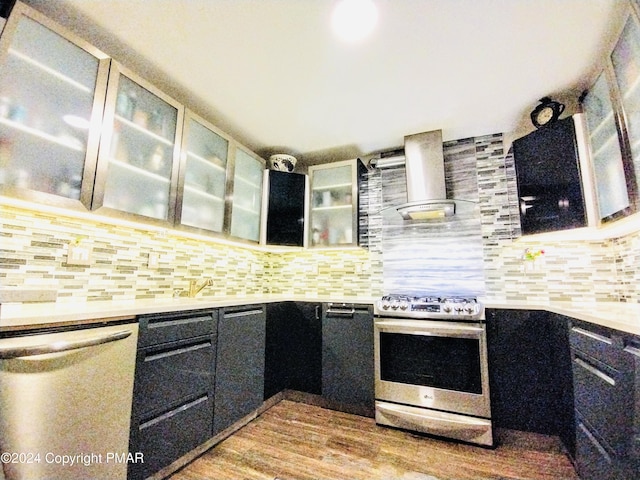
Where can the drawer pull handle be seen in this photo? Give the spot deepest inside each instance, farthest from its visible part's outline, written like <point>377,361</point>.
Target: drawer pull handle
<point>594,441</point>
<point>242,313</point>
<point>632,350</point>
<point>177,321</point>
<point>593,335</point>
<point>598,373</point>
<point>173,412</point>
<point>177,351</point>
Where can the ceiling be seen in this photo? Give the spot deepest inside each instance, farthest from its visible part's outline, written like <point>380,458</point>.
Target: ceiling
<point>273,75</point>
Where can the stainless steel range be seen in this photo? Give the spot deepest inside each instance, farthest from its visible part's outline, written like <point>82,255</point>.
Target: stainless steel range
<point>431,372</point>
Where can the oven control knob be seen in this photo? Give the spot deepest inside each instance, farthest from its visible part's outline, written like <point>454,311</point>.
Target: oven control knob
<point>385,304</point>
<point>403,305</point>
<point>469,309</point>
<point>458,308</point>
<point>446,308</point>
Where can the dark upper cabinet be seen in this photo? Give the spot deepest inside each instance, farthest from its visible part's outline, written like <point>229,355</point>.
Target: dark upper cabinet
<point>549,180</point>
<point>285,208</point>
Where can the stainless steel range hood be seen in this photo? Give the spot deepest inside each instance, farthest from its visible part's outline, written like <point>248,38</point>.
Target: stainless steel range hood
<point>424,164</point>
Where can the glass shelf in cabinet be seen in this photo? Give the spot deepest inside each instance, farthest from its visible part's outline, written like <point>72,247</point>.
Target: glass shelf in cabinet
<point>69,142</point>
<point>138,170</point>
<point>248,210</point>
<point>332,207</point>
<point>213,162</point>
<point>250,183</point>
<point>607,119</point>
<point>196,190</point>
<point>50,71</point>
<point>335,186</point>
<point>606,145</point>
<point>146,132</point>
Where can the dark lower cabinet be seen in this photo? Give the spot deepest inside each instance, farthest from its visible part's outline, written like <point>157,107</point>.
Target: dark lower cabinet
<point>605,374</point>
<point>240,364</point>
<point>530,372</point>
<point>293,354</point>
<point>348,357</point>
<point>174,385</point>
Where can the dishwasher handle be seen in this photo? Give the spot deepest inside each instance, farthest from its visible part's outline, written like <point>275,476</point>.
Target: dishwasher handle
<point>60,346</point>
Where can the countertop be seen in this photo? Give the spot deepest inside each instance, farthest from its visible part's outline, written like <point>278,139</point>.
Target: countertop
<point>17,316</point>
<point>22,316</point>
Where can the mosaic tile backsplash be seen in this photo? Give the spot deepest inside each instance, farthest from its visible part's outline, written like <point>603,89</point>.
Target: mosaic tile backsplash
<point>479,253</point>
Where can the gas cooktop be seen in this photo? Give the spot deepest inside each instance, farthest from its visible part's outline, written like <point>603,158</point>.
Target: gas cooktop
<point>429,307</point>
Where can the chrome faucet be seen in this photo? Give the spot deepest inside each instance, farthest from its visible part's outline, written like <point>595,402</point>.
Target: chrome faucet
<point>195,289</point>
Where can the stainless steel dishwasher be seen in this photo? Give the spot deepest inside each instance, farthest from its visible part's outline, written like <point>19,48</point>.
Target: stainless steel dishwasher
<point>65,403</point>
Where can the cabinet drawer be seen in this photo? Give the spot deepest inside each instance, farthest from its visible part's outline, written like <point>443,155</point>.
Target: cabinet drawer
<point>593,462</point>
<point>171,327</point>
<point>598,397</point>
<point>597,343</point>
<point>170,374</point>
<point>166,438</point>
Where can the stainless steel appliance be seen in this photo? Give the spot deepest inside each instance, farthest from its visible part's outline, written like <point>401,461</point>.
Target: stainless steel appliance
<point>65,403</point>
<point>431,372</point>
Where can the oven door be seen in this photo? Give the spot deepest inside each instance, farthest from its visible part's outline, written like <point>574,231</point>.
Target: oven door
<point>432,364</point>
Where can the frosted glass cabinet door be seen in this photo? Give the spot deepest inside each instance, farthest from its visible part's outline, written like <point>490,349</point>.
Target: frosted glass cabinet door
<point>247,196</point>
<point>611,188</point>
<point>334,204</point>
<point>52,90</point>
<point>137,164</point>
<point>203,176</point>
<point>626,66</point>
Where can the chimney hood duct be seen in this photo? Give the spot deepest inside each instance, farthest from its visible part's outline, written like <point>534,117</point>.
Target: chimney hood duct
<point>424,164</point>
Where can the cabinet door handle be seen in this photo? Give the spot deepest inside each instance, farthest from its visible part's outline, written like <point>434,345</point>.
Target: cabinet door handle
<point>598,373</point>
<point>317,312</point>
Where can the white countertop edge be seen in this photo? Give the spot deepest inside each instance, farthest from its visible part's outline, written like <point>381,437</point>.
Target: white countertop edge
<point>15,316</point>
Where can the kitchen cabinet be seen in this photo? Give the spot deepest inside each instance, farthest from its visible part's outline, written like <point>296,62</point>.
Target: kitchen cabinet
<point>240,364</point>
<point>348,357</point>
<point>293,356</point>
<point>610,185</point>
<point>549,179</point>
<point>246,204</point>
<point>52,92</point>
<point>604,374</point>
<point>530,378</point>
<point>173,404</point>
<point>612,108</point>
<point>333,217</point>
<point>202,183</point>
<point>285,208</point>
<point>139,149</point>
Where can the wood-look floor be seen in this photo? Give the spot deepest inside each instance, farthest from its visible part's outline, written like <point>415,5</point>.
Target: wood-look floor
<point>296,441</point>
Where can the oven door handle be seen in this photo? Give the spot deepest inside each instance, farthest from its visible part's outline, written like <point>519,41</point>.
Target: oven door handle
<point>434,329</point>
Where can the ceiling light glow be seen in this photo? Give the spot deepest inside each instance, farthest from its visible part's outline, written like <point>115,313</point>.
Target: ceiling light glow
<point>353,20</point>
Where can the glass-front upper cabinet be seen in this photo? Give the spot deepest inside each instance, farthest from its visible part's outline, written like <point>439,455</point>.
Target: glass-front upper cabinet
<point>203,175</point>
<point>52,91</point>
<point>246,205</point>
<point>334,204</point>
<point>611,188</point>
<point>139,149</point>
<point>625,60</point>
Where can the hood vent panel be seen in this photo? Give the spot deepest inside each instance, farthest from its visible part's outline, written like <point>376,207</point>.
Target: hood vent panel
<point>424,164</point>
